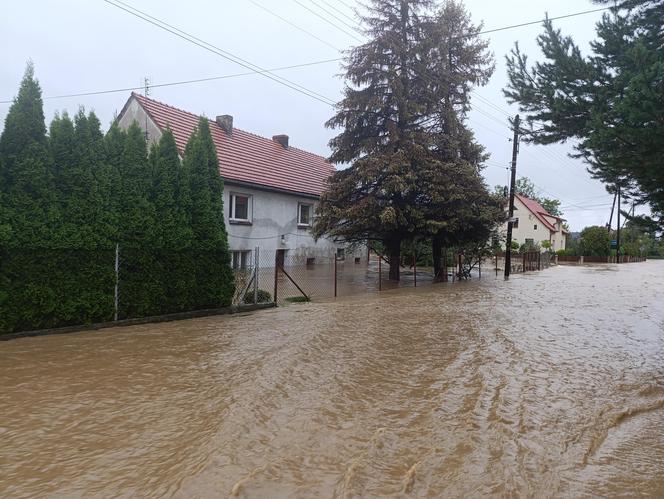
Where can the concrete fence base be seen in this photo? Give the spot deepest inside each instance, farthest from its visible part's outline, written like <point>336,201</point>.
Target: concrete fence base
<point>142,320</point>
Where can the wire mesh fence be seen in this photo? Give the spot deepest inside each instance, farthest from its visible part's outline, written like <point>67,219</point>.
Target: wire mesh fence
<point>54,288</point>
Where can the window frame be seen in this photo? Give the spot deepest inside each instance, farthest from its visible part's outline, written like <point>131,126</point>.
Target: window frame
<point>515,224</point>
<point>534,226</point>
<point>301,224</point>
<point>241,259</point>
<point>232,208</point>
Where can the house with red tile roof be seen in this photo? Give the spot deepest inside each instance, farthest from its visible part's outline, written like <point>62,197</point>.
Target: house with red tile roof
<point>270,187</point>
<point>533,224</point>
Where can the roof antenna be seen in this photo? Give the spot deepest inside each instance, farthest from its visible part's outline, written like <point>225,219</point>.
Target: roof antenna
<point>146,93</point>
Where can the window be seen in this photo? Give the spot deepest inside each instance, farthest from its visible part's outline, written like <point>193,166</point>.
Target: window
<point>515,224</point>
<point>240,208</point>
<point>241,259</point>
<point>304,212</point>
<point>535,227</point>
<point>341,253</point>
<point>530,242</point>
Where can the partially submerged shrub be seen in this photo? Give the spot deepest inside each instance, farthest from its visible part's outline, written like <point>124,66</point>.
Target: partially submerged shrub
<point>262,296</point>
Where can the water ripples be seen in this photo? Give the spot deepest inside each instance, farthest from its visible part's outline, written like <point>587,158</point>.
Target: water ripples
<point>548,384</point>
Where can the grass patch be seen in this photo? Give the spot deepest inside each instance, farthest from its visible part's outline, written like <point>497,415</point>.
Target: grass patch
<point>297,299</point>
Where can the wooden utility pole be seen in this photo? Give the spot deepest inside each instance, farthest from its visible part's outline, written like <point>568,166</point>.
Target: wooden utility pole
<point>613,207</point>
<point>508,243</point>
<point>618,231</point>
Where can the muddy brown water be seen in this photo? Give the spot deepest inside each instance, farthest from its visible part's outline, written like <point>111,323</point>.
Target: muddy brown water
<point>551,384</point>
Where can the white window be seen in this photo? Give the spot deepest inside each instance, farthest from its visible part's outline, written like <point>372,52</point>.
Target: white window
<point>240,208</point>
<point>304,214</point>
<point>341,253</point>
<point>515,224</point>
<point>241,259</point>
<point>535,227</point>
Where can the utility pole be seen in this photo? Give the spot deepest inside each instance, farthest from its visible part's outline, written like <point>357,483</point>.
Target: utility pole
<point>613,207</point>
<point>618,231</point>
<point>508,243</point>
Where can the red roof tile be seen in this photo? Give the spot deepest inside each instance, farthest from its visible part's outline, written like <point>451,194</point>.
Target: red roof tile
<point>244,156</point>
<point>539,211</point>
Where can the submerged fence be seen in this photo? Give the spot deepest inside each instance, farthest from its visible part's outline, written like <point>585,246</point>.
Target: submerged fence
<point>44,289</point>
<point>292,277</point>
<point>600,259</point>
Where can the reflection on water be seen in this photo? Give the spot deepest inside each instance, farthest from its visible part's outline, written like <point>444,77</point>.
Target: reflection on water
<point>548,384</point>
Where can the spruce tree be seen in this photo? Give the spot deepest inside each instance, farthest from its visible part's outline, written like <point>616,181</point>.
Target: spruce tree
<point>402,118</point>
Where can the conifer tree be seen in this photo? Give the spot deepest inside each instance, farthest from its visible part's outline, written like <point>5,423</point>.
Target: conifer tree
<point>140,272</point>
<point>173,235</point>
<point>30,204</point>
<point>402,118</point>
<point>215,283</point>
<point>28,215</point>
<point>609,102</point>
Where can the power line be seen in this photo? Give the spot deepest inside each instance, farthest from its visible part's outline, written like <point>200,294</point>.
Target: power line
<point>294,25</point>
<point>218,51</point>
<point>182,82</point>
<point>494,30</point>
<point>328,21</point>
<point>265,72</point>
<point>352,19</point>
<point>354,28</point>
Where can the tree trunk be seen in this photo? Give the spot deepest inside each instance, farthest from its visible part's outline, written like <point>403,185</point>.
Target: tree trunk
<point>394,252</point>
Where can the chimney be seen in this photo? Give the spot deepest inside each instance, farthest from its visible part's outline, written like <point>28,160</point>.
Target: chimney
<point>282,139</point>
<point>225,121</point>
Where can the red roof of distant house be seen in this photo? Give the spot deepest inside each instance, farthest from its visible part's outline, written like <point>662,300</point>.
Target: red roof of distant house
<point>246,157</point>
<point>539,211</point>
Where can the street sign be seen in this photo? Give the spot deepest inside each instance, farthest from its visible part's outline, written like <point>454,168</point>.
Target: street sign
<point>614,244</point>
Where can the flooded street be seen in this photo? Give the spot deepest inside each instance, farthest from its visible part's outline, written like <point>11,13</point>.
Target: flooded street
<point>550,384</point>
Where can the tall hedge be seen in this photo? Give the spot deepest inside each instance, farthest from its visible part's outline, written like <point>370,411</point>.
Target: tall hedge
<point>69,197</point>
<point>214,278</point>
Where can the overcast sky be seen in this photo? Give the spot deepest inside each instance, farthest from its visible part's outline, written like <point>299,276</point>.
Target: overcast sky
<point>89,45</point>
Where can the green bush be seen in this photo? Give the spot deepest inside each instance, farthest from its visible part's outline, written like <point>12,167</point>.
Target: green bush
<point>263,296</point>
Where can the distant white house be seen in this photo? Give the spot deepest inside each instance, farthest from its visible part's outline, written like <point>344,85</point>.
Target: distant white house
<point>533,224</point>
<point>270,188</point>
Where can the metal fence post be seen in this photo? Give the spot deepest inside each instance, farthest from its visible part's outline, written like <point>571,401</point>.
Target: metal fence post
<point>380,272</point>
<point>523,261</point>
<point>480,267</point>
<point>256,263</point>
<point>117,279</point>
<point>415,270</point>
<point>276,273</point>
<point>335,274</point>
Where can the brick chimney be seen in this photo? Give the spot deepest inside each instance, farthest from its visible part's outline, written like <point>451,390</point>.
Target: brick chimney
<point>281,139</point>
<point>225,121</point>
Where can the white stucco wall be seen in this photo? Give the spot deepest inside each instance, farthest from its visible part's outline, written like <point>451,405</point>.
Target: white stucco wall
<point>134,112</point>
<point>526,228</point>
<point>273,214</point>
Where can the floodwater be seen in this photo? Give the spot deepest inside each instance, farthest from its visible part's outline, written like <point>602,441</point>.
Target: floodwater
<point>550,384</point>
